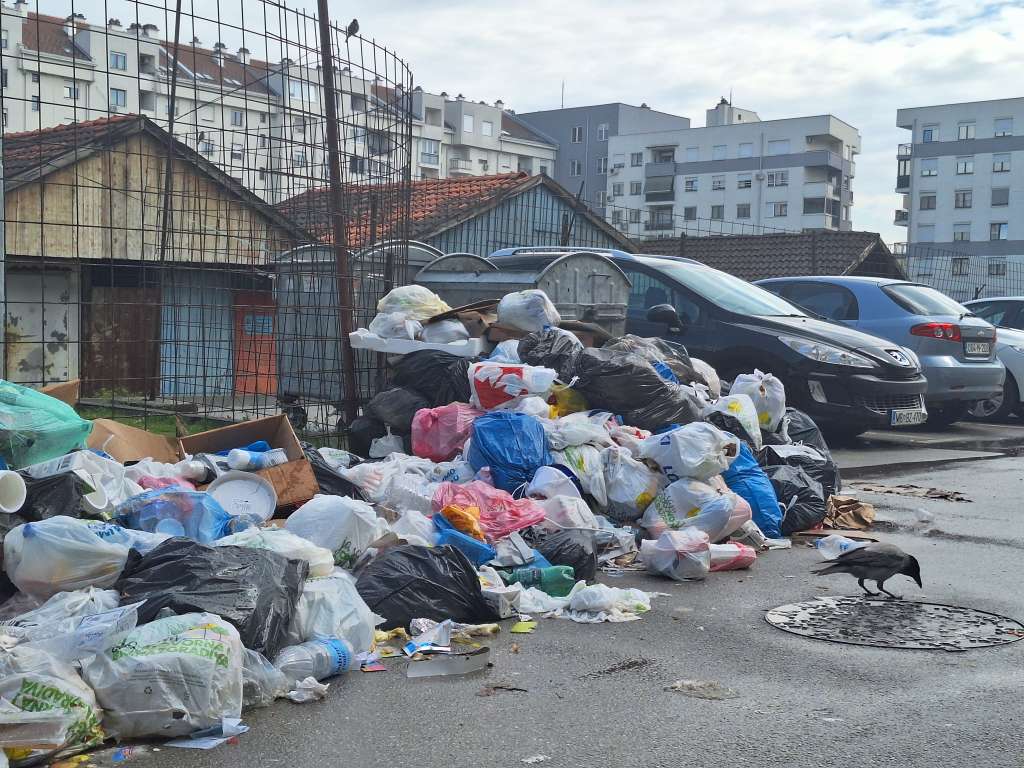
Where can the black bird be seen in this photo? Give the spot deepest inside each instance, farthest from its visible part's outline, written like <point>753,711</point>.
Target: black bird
<point>353,28</point>
<point>877,563</point>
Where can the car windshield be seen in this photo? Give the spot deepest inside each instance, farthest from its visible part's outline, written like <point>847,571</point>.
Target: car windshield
<point>728,292</point>
<point>922,300</point>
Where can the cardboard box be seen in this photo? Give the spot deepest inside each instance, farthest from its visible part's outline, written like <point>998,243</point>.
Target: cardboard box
<point>127,443</point>
<point>65,391</point>
<point>293,481</point>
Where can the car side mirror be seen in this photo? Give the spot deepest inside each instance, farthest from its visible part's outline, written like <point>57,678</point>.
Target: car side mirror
<point>666,314</point>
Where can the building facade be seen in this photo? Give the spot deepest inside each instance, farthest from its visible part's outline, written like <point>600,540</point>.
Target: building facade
<point>582,135</point>
<point>736,175</point>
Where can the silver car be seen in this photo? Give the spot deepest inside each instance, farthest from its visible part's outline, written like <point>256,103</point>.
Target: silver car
<point>1007,314</point>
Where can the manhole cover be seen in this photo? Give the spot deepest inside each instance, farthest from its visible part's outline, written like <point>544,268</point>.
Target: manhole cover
<point>895,624</point>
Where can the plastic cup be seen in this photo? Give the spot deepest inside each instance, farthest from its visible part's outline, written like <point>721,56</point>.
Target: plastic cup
<point>12,491</point>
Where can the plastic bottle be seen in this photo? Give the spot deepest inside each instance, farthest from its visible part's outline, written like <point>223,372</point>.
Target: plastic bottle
<point>320,658</point>
<point>555,580</point>
<point>833,545</point>
<point>251,461</point>
<point>193,469</point>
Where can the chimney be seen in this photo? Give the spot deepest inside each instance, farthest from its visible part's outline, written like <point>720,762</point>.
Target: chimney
<point>218,53</point>
<point>21,8</point>
<point>196,41</point>
<point>135,27</point>
<point>644,106</point>
<point>72,23</point>
<point>460,97</point>
<point>150,30</point>
<point>444,95</point>
<point>114,24</point>
<point>500,104</point>
<point>243,55</point>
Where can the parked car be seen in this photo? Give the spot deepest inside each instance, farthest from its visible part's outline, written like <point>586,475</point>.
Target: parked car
<point>846,380</point>
<point>956,349</point>
<point>1007,314</point>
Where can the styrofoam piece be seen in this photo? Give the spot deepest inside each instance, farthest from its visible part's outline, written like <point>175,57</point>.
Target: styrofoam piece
<point>363,339</point>
<point>244,493</point>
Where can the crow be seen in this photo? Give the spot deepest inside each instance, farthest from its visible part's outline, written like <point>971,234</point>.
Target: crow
<point>353,28</point>
<point>877,563</point>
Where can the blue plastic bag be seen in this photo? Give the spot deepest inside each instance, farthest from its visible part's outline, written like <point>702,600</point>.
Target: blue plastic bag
<point>746,478</point>
<point>513,445</point>
<point>193,514</point>
<point>477,551</point>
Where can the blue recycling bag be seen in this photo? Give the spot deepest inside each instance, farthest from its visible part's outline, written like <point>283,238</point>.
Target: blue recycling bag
<point>746,478</point>
<point>477,551</point>
<point>513,445</point>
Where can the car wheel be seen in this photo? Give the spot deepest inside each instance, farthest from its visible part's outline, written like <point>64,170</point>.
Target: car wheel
<point>1000,407</point>
<point>946,415</point>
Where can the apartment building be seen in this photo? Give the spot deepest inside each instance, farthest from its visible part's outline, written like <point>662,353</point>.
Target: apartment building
<point>961,177</point>
<point>582,135</point>
<point>793,174</point>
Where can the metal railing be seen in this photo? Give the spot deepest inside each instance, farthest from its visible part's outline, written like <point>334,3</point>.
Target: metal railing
<point>460,165</point>
<point>904,150</point>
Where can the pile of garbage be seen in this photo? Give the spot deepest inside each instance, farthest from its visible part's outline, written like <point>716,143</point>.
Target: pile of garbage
<point>157,596</point>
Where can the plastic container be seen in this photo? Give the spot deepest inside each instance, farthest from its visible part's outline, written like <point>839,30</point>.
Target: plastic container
<point>321,658</point>
<point>251,461</point>
<point>833,545</point>
<point>12,491</point>
<point>244,494</point>
<point>556,580</point>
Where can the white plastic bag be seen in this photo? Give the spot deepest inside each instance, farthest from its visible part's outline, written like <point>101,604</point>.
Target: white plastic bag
<point>567,512</point>
<point>262,682</point>
<point>709,374</point>
<point>575,429</point>
<point>549,482</point>
<point>410,491</point>
<point>529,310</point>
<point>677,504</point>
<point>494,385</point>
<point>170,677</point>
<point>630,485</point>
<point>59,615</point>
<point>630,438</point>
<point>60,554</point>
<point>413,523</point>
<point>680,555</point>
<point>444,331</point>
<point>382,447</point>
<point>141,541</point>
<point>342,525</point>
<point>768,395</point>
<point>331,607</point>
<point>506,352</point>
<point>741,408</point>
<point>395,325</point>
<point>417,302</point>
<point>533,406</point>
<point>585,462</point>
<point>698,451</point>
<point>286,543</point>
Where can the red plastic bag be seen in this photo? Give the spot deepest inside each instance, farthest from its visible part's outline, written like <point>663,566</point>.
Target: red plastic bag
<point>500,514</point>
<point>438,434</point>
<point>732,556</point>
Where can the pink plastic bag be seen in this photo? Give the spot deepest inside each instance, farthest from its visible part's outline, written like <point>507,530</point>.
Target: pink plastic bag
<point>500,514</point>
<point>150,483</point>
<point>732,556</point>
<point>438,434</point>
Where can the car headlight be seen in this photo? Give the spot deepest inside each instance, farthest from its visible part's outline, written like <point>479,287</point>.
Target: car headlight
<point>826,353</point>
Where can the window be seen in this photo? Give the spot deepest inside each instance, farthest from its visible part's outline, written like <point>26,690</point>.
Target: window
<point>575,168</point>
<point>929,134</point>
<point>295,88</point>
<point>236,151</point>
<point>206,147</point>
<point>717,182</point>
<point>3,39</point>
<point>118,60</point>
<point>690,184</point>
<point>692,154</point>
<point>964,166</point>
<point>962,232</point>
<point>1001,163</point>
<point>743,210</point>
<point>4,124</point>
<point>717,212</point>
<point>262,174</point>
<point>617,189</point>
<point>998,230</point>
<point>35,77</point>
<point>778,147</point>
<point>930,166</point>
<point>299,158</point>
<point>778,178</point>
<point>743,181</point>
<point>602,165</point>
<point>467,123</point>
<point>960,265</point>
<point>71,91</point>
<point>926,233</point>
<point>602,132</point>
<point>543,170</point>
<point>927,202</point>
<point>778,209</point>
<point>963,198</point>
<point>718,152</point>
<point>35,103</point>
<point>1003,126</point>
<point>832,301</point>
<point>965,131</point>
<point>634,215</point>
<point>600,198</point>
<point>486,127</point>
<point>660,218</point>
<point>746,149</point>
<point>264,141</point>
<point>355,164</point>
<point>636,159</point>
<point>663,155</point>
<point>264,118</point>
<point>997,267</point>
<point>1000,196</point>
<point>206,112</point>
<point>237,118</point>
<point>690,213</point>
<point>577,134</point>
<point>118,97</point>
<point>636,187</point>
<point>147,101</point>
<point>846,213</point>
<point>617,216</point>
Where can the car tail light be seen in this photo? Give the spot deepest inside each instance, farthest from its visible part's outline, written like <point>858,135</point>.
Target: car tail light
<point>944,331</point>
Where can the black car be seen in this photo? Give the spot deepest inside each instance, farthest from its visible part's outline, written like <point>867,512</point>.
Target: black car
<point>847,380</point>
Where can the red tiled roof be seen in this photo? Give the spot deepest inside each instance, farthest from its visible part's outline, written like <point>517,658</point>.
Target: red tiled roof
<point>38,149</point>
<point>46,34</point>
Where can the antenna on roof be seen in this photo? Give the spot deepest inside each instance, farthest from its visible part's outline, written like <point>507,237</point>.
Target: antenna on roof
<point>730,96</point>
<point>563,94</point>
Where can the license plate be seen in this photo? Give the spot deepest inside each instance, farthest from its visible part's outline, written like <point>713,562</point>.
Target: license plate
<point>977,348</point>
<point>905,417</point>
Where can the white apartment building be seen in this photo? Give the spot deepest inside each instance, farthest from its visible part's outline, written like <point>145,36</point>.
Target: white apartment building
<point>961,177</point>
<point>738,174</point>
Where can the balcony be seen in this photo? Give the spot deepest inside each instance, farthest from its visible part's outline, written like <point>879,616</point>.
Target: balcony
<point>820,189</point>
<point>659,169</point>
<point>899,249</point>
<point>901,218</point>
<point>904,150</point>
<point>658,225</point>
<point>903,183</point>
<point>459,165</point>
<point>428,158</point>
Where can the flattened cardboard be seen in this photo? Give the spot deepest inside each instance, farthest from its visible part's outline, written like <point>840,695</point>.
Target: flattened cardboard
<point>127,443</point>
<point>65,391</point>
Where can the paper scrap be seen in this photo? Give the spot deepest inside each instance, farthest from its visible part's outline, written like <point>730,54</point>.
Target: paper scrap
<point>523,627</point>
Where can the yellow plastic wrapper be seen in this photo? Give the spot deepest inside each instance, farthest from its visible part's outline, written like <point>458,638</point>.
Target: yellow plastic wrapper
<point>465,519</point>
<point>568,400</point>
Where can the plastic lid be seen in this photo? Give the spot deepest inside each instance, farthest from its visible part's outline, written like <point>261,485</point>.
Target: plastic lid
<point>244,493</point>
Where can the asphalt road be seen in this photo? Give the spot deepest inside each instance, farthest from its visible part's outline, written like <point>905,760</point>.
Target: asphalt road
<point>595,694</point>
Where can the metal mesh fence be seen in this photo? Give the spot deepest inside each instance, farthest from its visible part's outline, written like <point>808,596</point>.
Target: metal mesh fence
<point>149,150</point>
<point>961,275</point>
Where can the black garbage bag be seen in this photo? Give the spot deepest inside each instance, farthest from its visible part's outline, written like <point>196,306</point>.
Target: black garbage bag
<point>409,582</point>
<point>802,429</point>
<point>395,408</point>
<point>655,350</point>
<point>551,349</point>
<point>441,378</point>
<point>808,458</point>
<point>253,589</point>
<point>362,432</point>
<point>800,495</point>
<point>575,548</point>
<point>330,482</point>
<point>54,495</point>
<point>729,423</point>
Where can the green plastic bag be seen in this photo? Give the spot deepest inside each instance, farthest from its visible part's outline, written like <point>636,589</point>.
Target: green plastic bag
<point>35,427</point>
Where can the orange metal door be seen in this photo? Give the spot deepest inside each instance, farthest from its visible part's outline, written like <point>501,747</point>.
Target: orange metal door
<point>255,351</point>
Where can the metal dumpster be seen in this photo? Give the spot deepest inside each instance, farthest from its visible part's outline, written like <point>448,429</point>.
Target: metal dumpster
<point>584,285</point>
